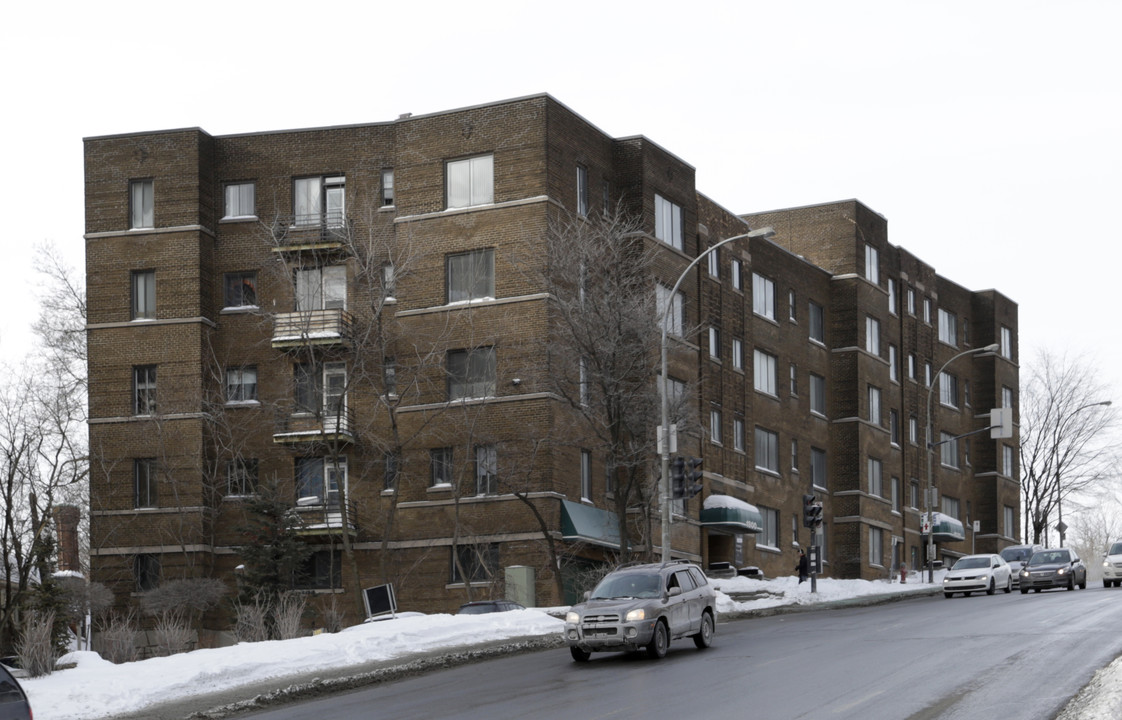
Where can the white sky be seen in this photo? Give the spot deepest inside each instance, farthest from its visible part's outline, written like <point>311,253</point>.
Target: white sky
<point>988,133</point>
<point>97,688</point>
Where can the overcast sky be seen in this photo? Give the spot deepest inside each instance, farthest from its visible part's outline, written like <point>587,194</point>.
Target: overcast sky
<point>988,133</point>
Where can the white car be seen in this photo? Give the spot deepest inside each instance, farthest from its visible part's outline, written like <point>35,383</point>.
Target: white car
<point>1112,566</point>
<point>975,573</point>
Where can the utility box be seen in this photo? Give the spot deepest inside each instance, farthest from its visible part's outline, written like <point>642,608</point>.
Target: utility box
<point>520,585</point>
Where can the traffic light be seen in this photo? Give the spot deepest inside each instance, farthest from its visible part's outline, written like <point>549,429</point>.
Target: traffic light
<point>693,478</point>
<point>678,478</point>
<point>808,510</point>
<point>815,515</point>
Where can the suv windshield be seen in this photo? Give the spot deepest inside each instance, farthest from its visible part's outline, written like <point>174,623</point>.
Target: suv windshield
<point>1115,549</point>
<point>968,563</point>
<point>628,585</point>
<point>1048,558</point>
<point>1016,554</point>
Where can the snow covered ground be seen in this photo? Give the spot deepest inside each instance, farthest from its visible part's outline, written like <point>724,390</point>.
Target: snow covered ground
<point>96,688</point>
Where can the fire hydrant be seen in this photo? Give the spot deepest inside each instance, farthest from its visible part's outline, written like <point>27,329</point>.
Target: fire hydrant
<point>903,573</point>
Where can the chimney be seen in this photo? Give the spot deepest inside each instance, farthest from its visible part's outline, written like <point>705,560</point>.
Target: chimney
<point>66,526</point>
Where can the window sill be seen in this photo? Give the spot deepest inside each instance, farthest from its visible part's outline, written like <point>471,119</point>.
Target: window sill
<point>243,403</point>
<point>237,219</point>
<point>440,487</point>
<point>239,309</point>
<point>769,549</point>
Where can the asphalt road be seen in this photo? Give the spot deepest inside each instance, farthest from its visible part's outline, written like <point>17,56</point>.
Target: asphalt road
<point>965,658</point>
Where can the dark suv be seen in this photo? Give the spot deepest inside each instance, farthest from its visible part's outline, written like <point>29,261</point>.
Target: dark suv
<point>643,607</point>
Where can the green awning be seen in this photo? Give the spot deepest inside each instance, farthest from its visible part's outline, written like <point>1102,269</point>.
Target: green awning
<point>584,523</point>
<point>945,528</point>
<point>724,512</point>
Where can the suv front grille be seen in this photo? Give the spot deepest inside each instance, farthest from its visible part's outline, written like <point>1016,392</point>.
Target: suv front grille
<point>606,618</point>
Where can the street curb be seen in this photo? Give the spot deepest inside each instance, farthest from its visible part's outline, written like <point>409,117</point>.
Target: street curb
<point>861,601</point>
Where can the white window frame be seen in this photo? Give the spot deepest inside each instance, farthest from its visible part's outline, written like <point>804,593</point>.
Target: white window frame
<point>240,201</point>
<point>735,270</point>
<point>486,470</point>
<point>766,450</point>
<point>893,364</point>
<point>668,223</point>
<point>874,405</point>
<point>738,354</point>
<point>321,288</point>
<point>818,394</point>
<point>763,296</point>
<point>582,191</point>
<point>948,450</point>
<point>714,263</point>
<point>677,307</point>
<point>876,547</point>
<point>1006,342</point>
<point>818,468</point>
<point>144,295</point>
<point>817,323</point>
<point>389,197</point>
<point>241,477</point>
<point>470,182</point>
<point>872,335</point>
<point>876,477</point>
<point>715,426</point>
<point>1008,461</point>
<point>948,390</point>
<point>714,342</point>
<point>765,368</point>
<point>738,434</point>
<point>471,373</point>
<point>872,264</point>
<point>241,385</point>
<point>892,296</point>
<point>142,204</point>
<point>948,327</point>
<point>470,276</point>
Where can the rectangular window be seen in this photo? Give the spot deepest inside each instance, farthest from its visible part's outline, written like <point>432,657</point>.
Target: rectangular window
<point>308,387</point>
<point>913,430</point>
<point>892,296</point>
<point>911,366</point>
<point>145,492</point>
<point>471,181</point>
<point>951,507</point>
<point>582,190</point>
<point>471,276</point>
<point>874,405</point>
<point>677,307</point>
<point>585,388</point>
<point>769,533</point>
<point>927,374</point>
<point>767,450</point>
<point>387,188</point>
<point>585,475</point>
<point>913,493</point>
<point>1006,343</point>
<point>440,466</point>
<point>872,265</point>
<point>948,327</point>
<point>668,223</point>
<point>738,434</point>
<point>471,373</point>
<point>239,289</point>
<point>486,470</point>
<point>948,450</point>
<point>715,426</point>
<point>763,296</point>
<point>818,468</point>
<point>318,480</point>
<point>323,569</point>
<point>241,384</point>
<point>927,310</point>
<point>319,201</point>
<point>1006,396</point>
<point>894,427</point>
<point>144,389</point>
<point>321,388</point>
<point>144,295</point>
<point>475,563</point>
<point>141,204</point>
<point>321,288</point>
<point>146,570</point>
<point>893,363</point>
<point>391,469</point>
<point>896,494</point>
<point>876,480</point>
<point>714,343</point>
<point>765,372</point>
<point>794,455</point>
<point>240,200</point>
<point>738,353</point>
<point>1007,461</point>
<point>911,301</point>
<point>948,390</point>
<point>241,477</point>
<point>876,547</point>
<point>735,274</point>
<point>714,263</point>
<point>791,313</point>
<point>872,335</point>
<point>794,379</point>
<point>817,394</point>
<point>817,323</point>
<point>1009,524</point>
<point>389,376</point>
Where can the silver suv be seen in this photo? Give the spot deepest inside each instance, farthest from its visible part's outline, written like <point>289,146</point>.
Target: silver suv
<point>643,607</point>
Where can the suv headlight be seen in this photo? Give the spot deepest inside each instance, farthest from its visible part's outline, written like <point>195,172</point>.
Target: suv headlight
<point>573,618</point>
<point>1106,563</point>
<point>634,615</point>
<point>1062,571</point>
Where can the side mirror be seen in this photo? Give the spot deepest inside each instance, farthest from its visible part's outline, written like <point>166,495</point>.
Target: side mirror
<point>587,594</point>
<point>674,591</point>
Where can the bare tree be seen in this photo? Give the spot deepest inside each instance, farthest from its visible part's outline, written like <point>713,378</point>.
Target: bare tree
<point>1064,431</point>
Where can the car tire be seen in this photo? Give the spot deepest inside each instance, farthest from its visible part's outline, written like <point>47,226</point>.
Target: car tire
<point>965,594</point>
<point>992,588</point>
<point>1009,586</point>
<point>656,648</point>
<point>1106,583</point>
<point>704,636</point>
<point>579,655</point>
<point>1036,589</point>
<point>948,595</point>
<point>1024,591</point>
<point>1083,585</point>
<point>1071,583</point>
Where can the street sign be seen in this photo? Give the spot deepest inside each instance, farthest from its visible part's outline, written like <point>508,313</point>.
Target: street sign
<point>1001,423</point>
<point>673,439</point>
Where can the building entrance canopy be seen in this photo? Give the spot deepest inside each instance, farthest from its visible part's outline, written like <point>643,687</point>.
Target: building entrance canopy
<point>724,512</point>
<point>585,523</point>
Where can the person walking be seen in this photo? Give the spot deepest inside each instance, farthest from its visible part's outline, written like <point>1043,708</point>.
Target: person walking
<point>803,566</point>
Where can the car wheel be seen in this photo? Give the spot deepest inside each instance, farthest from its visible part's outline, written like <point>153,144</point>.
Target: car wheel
<point>1071,583</point>
<point>1036,589</point>
<point>1024,591</point>
<point>656,648</point>
<point>1083,583</point>
<point>992,588</point>
<point>948,595</point>
<point>1009,585</point>
<point>704,637</point>
<point>578,654</point>
<point>965,594</point>
<point>1106,583</point>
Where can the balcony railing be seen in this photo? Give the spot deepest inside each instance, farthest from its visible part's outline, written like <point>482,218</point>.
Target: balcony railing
<point>316,517</point>
<point>295,232</point>
<point>306,427</point>
<point>312,327</point>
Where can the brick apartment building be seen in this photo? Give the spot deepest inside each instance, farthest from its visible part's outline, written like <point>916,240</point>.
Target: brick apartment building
<point>354,316</point>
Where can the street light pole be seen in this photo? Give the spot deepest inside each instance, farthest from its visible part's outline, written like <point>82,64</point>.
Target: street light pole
<point>1059,494</point>
<point>930,453</point>
<point>664,485</point>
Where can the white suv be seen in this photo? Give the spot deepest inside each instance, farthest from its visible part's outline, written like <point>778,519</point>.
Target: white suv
<point>1112,566</point>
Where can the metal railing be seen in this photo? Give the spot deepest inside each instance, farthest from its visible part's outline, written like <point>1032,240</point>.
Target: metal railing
<point>315,229</point>
<point>312,327</point>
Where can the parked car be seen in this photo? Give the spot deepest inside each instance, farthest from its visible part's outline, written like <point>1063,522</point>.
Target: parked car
<point>643,607</point>
<point>975,573</point>
<point>13,701</point>
<point>480,607</point>
<point>1112,566</point>
<point>1017,556</point>
<point>1058,567</point>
